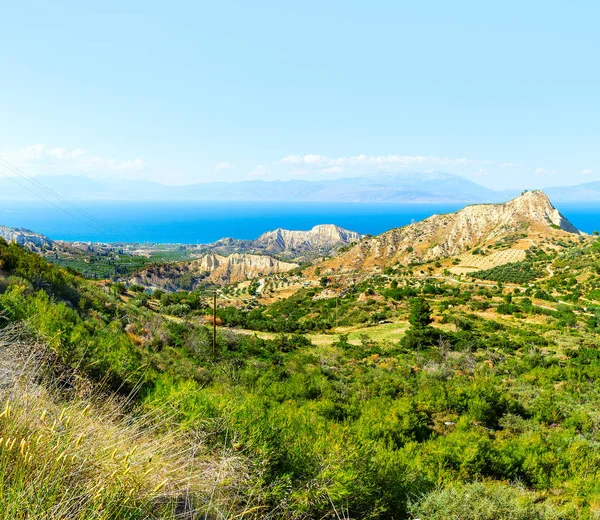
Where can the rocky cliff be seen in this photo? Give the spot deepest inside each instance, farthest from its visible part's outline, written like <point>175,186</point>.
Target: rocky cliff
<point>441,236</point>
<point>238,267</point>
<point>211,268</point>
<point>26,238</point>
<point>321,240</point>
<point>321,237</point>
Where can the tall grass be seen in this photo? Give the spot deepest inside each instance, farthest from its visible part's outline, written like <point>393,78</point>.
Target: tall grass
<point>79,454</point>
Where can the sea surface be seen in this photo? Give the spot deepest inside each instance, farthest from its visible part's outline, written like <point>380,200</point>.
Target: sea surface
<point>204,222</point>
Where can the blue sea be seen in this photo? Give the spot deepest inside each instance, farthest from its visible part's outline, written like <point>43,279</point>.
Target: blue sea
<point>203,222</point>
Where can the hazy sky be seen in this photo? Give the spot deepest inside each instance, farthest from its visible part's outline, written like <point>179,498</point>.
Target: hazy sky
<point>505,93</point>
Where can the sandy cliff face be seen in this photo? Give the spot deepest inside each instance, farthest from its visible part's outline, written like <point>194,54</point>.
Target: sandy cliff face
<point>441,236</point>
<point>210,268</point>
<point>238,267</point>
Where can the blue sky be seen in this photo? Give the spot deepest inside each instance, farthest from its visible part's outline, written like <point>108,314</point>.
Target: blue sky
<point>505,93</point>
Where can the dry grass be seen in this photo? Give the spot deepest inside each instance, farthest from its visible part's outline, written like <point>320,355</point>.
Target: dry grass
<point>68,455</point>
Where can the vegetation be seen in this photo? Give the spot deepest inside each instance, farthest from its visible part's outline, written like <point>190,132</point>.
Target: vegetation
<point>516,272</point>
<point>484,406</point>
<point>112,261</point>
<point>80,458</point>
<point>99,266</point>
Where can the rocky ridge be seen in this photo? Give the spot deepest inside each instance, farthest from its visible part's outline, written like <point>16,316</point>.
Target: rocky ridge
<point>323,236</point>
<point>321,240</point>
<point>442,236</point>
<point>26,238</point>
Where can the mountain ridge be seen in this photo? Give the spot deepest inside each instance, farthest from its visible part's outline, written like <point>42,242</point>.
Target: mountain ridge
<point>382,187</point>
<point>408,187</point>
<point>286,244</point>
<point>320,236</point>
<point>443,236</point>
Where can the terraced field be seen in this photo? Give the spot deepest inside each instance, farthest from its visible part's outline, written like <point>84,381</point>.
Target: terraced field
<point>470,262</point>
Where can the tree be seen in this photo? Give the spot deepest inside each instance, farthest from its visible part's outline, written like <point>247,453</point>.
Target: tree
<point>118,288</point>
<point>421,334</point>
<point>420,313</point>
<point>157,294</point>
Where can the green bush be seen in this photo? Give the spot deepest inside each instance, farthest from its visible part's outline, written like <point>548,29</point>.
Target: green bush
<point>516,272</point>
<point>484,501</point>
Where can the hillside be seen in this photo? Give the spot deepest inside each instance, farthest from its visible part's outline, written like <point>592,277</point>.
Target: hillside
<point>210,268</point>
<point>409,394</point>
<point>230,261</point>
<point>528,217</point>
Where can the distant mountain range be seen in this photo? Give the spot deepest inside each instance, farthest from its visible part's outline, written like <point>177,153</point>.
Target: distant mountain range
<point>410,187</point>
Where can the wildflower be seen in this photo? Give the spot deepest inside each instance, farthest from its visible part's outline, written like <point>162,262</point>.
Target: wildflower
<point>78,441</point>
<point>43,416</point>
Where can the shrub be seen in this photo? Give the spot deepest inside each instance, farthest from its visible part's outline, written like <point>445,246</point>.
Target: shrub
<point>516,272</point>
<point>483,501</point>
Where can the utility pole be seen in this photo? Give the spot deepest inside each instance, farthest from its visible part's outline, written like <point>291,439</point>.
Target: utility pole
<point>214,323</point>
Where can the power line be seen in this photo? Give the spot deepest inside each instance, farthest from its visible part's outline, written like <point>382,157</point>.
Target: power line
<point>9,177</point>
<point>52,193</point>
